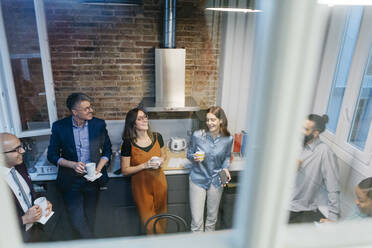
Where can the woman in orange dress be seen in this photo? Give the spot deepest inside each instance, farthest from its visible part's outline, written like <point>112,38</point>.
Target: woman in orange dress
<point>142,155</point>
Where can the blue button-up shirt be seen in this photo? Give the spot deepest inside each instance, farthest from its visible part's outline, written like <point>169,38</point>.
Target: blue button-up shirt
<point>217,157</point>
<point>81,137</point>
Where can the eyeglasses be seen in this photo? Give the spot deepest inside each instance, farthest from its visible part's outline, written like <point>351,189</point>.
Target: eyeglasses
<point>20,149</point>
<point>86,109</point>
<point>142,118</point>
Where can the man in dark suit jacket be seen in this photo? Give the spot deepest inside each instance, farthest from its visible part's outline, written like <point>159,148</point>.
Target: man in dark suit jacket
<point>75,141</point>
<point>27,215</point>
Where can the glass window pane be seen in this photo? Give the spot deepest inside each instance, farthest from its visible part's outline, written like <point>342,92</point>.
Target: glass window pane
<point>343,67</point>
<point>35,155</point>
<point>24,50</point>
<point>363,112</point>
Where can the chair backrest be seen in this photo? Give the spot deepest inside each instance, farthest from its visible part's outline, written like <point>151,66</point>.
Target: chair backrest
<point>180,222</point>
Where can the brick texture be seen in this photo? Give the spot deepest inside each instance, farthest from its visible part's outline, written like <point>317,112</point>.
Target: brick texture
<point>108,52</point>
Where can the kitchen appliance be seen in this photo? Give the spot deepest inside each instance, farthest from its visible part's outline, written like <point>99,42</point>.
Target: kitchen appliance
<point>170,73</point>
<point>177,144</point>
<point>170,77</point>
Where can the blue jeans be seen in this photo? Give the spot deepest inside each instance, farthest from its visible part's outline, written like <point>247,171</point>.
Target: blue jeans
<point>81,202</point>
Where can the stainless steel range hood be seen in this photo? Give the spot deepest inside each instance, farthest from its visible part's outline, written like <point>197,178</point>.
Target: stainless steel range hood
<point>170,71</point>
<point>150,106</point>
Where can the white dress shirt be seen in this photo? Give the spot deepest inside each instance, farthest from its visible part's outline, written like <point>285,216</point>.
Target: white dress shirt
<point>317,184</point>
<point>5,172</point>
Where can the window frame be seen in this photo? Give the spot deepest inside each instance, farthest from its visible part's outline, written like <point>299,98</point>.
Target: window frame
<point>357,158</point>
<point>269,230</point>
<point>10,111</point>
<point>5,124</point>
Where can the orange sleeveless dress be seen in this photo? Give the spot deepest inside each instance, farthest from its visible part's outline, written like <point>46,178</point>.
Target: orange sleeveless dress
<point>149,187</point>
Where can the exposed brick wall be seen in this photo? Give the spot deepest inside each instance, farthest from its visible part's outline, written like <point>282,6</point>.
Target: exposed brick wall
<point>108,52</point>
<point>198,31</point>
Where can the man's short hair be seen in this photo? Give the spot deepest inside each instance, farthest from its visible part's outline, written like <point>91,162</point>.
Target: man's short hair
<point>73,99</point>
<point>366,185</point>
<point>320,121</point>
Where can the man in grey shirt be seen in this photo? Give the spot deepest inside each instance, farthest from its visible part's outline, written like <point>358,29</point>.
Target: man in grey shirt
<point>316,193</point>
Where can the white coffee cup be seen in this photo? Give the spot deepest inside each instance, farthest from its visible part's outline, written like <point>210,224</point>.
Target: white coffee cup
<point>91,169</point>
<point>155,159</point>
<point>42,203</point>
<point>200,155</point>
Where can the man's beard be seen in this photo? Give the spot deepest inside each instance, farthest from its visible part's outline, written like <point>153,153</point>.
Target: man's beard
<point>307,138</point>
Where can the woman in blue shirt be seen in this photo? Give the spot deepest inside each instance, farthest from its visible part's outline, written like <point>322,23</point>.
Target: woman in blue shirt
<point>205,185</point>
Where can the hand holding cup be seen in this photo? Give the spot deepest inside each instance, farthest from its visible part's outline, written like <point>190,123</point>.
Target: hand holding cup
<point>154,162</point>
<point>49,208</point>
<point>79,167</point>
<point>43,204</point>
<point>199,156</point>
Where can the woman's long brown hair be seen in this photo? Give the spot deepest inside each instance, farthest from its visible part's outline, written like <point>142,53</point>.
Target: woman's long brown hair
<point>220,114</point>
<point>130,122</point>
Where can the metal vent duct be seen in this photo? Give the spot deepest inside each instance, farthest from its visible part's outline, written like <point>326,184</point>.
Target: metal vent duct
<point>170,24</point>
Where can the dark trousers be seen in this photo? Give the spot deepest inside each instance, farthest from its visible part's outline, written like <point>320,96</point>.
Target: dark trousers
<point>81,202</point>
<point>305,216</point>
<point>34,234</point>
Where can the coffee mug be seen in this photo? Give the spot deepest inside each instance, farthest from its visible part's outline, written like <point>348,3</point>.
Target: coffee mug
<point>200,155</point>
<point>91,169</point>
<point>42,203</point>
<point>155,159</point>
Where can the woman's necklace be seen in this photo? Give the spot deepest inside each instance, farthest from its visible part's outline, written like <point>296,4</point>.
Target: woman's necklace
<point>144,142</point>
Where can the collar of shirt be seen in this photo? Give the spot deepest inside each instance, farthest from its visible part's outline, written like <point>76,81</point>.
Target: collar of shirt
<point>209,136</point>
<point>313,144</point>
<point>76,126</point>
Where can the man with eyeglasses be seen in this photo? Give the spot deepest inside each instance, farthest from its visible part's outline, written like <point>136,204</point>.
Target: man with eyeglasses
<point>16,176</point>
<point>75,141</point>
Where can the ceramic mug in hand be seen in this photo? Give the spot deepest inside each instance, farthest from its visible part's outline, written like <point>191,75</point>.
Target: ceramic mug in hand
<point>43,204</point>
<point>155,161</point>
<point>199,155</point>
<point>91,169</point>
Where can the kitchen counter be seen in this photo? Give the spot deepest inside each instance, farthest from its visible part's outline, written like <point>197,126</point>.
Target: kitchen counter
<point>236,165</point>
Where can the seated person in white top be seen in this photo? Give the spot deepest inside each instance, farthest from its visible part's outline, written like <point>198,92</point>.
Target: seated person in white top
<point>363,201</point>
<point>316,191</point>
<point>14,172</point>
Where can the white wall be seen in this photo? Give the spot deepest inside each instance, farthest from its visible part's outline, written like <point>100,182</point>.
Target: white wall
<point>349,179</point>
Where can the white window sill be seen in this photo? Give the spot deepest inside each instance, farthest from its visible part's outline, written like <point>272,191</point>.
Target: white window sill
<point>341,234</point>
<point>218,239</point>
